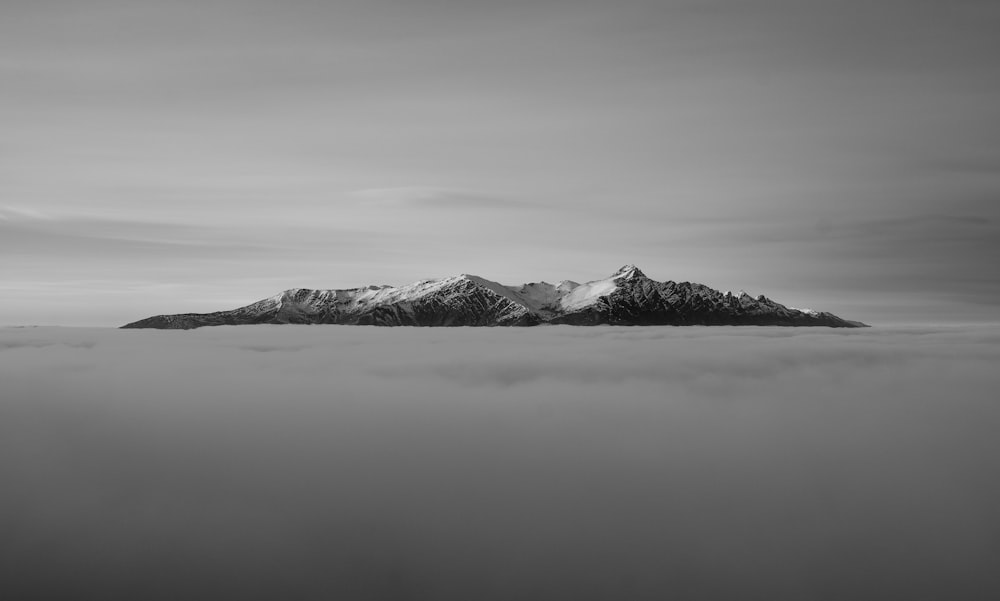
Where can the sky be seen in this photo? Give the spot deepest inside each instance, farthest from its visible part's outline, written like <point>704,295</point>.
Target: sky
<point>193,156</point>
<point>297,462</point>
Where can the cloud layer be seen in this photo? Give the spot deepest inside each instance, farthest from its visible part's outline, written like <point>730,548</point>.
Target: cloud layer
<point>579,463</point>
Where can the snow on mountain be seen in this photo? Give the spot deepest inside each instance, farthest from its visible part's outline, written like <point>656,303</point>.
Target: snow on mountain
<point>626,297</point>
<point>543,296</point>
<point>587,294</point>
<point>627,272</point>
<point>537,295</point>
<point>565,286</point>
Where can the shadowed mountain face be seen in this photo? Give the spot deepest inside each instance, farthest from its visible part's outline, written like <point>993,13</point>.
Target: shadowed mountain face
<point>627,297</point>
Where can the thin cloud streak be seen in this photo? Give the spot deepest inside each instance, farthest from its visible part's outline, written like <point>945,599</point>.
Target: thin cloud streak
<point>431,197</point>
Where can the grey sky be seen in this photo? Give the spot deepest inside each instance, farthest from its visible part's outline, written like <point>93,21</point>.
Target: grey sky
<point>193,156</point>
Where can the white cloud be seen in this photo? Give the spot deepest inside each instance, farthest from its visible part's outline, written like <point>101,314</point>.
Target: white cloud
<point>496,463</point>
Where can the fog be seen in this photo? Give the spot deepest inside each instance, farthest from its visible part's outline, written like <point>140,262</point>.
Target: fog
<point>334,462</point>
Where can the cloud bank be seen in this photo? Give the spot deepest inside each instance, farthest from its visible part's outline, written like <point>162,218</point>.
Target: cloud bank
<point>593,463</point>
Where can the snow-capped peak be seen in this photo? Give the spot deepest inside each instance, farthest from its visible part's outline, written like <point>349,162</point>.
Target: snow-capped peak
<point>565,286</point>
<point>628,271</point>
<point>627,297</point>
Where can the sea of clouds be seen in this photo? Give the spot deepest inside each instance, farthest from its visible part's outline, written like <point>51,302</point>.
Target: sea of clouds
<point>337,462</point>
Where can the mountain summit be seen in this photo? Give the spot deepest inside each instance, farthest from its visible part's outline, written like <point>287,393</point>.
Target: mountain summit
<point>626,297</point>
<point>628,272</point>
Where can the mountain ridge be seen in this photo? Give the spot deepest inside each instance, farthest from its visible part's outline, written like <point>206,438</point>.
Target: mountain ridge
<point>626,297</point>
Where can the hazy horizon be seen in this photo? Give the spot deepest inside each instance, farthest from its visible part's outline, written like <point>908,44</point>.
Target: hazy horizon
<point>888,319</point>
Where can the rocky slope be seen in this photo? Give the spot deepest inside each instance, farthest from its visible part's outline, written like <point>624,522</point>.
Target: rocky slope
<point>627,297</point>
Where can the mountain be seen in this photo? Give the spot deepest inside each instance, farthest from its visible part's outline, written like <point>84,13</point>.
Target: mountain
<point>627,297</point>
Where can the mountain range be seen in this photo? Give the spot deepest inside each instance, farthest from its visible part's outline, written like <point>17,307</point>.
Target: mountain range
<point>627,297</point>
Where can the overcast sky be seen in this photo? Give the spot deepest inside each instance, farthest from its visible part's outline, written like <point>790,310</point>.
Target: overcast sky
<point>199,155</point>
